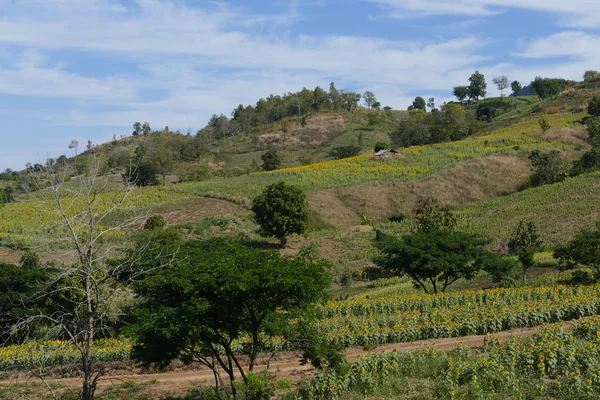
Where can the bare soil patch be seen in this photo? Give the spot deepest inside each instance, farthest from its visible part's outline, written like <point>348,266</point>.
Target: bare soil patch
<point>198,208</point>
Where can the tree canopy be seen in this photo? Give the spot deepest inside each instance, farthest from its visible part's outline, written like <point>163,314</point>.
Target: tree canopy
<point>218,292</point>
<point>281,210</point>
<point>584,249</point>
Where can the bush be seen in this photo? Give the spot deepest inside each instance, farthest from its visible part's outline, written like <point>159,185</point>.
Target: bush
<point>344,152</point>
<point>141,175</point>
<point>549,169</point>
<point>548,87</point>
<point>382,146</point>
<point>594,107</point>
<point>272,160</point>
<point>155,222</point>
<point>281,210</point>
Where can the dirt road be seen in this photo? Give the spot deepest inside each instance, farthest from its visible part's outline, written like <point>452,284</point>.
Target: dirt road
<point>287,365</point>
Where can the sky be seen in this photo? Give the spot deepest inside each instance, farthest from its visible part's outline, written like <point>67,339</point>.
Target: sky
<point>88,69</point>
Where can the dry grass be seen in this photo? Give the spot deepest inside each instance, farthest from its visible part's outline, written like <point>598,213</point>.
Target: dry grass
<point>465,185</point>
<point>197,209</point>
<point>328,207</point>
<point>574,136</point>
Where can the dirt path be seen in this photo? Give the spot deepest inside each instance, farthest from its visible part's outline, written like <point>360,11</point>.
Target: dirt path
<point>287,365</point>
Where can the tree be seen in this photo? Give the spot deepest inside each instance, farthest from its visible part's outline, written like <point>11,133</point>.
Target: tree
<point>217,293</point>
<point>590,76</point>
<point>146,128</point>
<point>271,160</point>
<point>431,104</point>
<point>594,107</point>
<point>74,146</point>
<point>547,87</point>
<point>369,99</point>
<point>82,295</point>
<point>478,86</point>
<point>18,285</point>
<point>524,242</point>
<point>344,152</point>
<point>461,93</point>
<point>141,175</point>
<point>419,103</point>
<point>584,250</point>
<point>516,87</point>
<point>591,159</point>
<point>549,168</point>
<point>501,83</point>
<point>435,259</point>
<point>430,215</point>
<point>381,146</point>
<point>281,210</point>
<point>544,124</point>
<point>137,128</point>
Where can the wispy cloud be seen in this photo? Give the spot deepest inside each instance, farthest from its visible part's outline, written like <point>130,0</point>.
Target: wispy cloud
<point>582,13</point>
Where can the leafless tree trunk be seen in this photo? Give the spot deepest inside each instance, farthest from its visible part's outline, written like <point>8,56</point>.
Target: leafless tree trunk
<point>92,216</point>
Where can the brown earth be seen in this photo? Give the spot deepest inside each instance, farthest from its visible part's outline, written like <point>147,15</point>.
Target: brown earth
<point>198,208</point>
<point>464,185</point>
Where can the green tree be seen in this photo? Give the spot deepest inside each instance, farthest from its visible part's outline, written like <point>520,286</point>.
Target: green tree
<point>544,124</point>
<point>478,86</point>
<point>419,103</point>
<point>516,87</point>
<point>141,175</point>
<point>155,222</point>
<point>590,160</point>
<point>524,242</point>
<point>18,285</point>
<point>271,160</point>
<point>344,152</point>
<point>137,128</point>
<point>431,104</point>
<point>369,99</point>
<point>435,259</point>
<point>583,250</point>
<point>281,210</point>
<point>548,87</point>
<point>217,293</point>
<point>501,83</point>
<point>430,215</point>
<point>461,93</point>
<point>146,128</point>
<point>594,106</point>
<point>381,146</point>
<point>549,168</point>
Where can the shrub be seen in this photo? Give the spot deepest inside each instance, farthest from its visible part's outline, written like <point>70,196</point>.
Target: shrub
<point>155,222</point>
<point>594,107</point>
<point>344,152</point>
<point>381,146</point>
<point>272,160</point>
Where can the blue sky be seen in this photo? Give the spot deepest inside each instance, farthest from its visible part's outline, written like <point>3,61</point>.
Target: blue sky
<point>88,69</point>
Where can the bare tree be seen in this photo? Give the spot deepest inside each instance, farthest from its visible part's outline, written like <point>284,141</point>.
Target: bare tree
<point>93,219</point>
<point>501,83</point>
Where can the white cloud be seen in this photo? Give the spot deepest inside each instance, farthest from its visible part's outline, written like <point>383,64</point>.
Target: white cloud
<point>582,13</point>
<point>574,44</point>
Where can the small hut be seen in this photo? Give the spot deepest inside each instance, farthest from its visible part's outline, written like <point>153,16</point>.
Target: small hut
<point>383,155</point>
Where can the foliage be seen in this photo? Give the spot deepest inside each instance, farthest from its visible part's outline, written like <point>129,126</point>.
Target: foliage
<point>281,211</point>
<point>525,241</point>
<point>501,83</point>
<point>341,152</point>
<point>141,175</point>
<point>452,123</point>
<point>461,93</point>
<point>381,146</point>
<point>549,87</point>
<point>584,249</point>
<point>551,364</point>
<point>491,109</point>
<point>516,87</point>
<point>544,124</point>
<point>437,257</point>
<point>549,168</point>
<point>216,293</point>
<point>477,87</point>
<point>419,103</point>
<point>271,160</point>
<point>54,353</point>
<point>395,317</point>
<point>591,159</point>
<point>430,215</point>
<point>594,106</point>
<point>155,222</point>
<point>18,284</point>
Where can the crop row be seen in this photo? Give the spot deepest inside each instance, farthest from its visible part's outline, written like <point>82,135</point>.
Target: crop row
<point>550,364</point>
<point>401,318</point>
